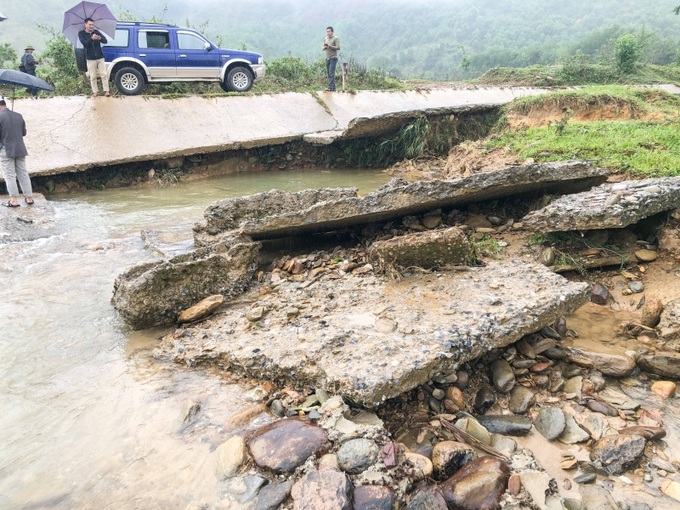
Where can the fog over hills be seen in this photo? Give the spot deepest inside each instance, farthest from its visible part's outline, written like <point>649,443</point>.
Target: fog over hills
<point>409,38</point>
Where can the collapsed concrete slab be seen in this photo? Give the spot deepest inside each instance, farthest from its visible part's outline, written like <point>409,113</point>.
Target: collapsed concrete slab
<point>271,217</point>
<point>154,293</point>
<point>371,339</point>
<point>610,205</point>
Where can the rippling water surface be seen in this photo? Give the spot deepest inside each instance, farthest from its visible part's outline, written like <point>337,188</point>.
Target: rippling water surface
<point>88,418</point>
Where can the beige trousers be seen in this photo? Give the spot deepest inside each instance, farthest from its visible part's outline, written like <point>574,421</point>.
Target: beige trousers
<point>97,68</point>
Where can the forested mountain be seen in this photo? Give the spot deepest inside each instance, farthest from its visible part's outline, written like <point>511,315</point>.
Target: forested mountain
<point>416,38</point>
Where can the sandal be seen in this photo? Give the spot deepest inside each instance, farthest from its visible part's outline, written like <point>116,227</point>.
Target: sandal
<point>107,94</point>
<point>29,201</point>
<point>10,204</point>
<point>94,94</point>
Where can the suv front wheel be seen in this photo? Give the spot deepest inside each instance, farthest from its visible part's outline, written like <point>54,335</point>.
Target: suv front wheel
<point>129,81</point>
<point>238,79</point>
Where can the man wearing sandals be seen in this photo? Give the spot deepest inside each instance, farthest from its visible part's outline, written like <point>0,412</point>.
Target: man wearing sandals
<point>13,155</point>
<point>92,40</point>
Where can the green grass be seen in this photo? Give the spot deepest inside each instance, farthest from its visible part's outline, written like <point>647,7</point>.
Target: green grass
<point>641,149</point>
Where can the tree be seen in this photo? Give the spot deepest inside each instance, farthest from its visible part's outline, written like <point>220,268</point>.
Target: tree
<point>627,53</point>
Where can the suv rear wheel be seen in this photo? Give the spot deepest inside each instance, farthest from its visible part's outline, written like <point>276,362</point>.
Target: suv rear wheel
<point>238,79</point>
<point>129,81</point>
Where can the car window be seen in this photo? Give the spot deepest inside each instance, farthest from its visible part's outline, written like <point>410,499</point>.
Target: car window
<point>189,41</point>
<point>153,39</point>
<point>120,40</point>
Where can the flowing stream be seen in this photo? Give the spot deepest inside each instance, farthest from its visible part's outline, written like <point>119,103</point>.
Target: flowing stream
<point>89,419</point>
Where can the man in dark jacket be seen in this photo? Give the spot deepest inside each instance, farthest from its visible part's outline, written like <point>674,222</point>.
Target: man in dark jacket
<point>92,40</point>
<point>13,155</point>
<point>28,65</point>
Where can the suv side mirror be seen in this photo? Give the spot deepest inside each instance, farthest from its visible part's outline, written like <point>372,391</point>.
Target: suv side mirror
<point>207,46</point>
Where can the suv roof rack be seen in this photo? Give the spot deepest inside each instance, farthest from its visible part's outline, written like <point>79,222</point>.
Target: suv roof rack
<point>137,23</point>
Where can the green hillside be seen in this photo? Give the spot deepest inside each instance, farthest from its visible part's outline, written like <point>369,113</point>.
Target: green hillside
<point>444,39</point>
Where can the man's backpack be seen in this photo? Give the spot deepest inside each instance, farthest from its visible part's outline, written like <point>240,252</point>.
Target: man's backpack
<point>22,68</point>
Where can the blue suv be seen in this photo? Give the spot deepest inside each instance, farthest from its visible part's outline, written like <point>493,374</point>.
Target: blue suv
<point>142,53</point>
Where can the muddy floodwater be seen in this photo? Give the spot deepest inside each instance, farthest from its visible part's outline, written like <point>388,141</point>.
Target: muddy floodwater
<point>88,418</point>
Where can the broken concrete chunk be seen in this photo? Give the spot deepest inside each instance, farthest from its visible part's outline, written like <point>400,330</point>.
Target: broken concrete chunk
<point>152,294</point>
<point>594,209</point>
<point>279,214</point>
<point>423,249</point>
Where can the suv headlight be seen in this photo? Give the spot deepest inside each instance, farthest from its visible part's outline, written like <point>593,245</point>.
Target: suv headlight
<point>260,60</point>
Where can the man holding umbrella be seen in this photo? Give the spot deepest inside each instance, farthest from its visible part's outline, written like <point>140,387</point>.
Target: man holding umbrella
<point>13,155</point>
<point>92,40</point>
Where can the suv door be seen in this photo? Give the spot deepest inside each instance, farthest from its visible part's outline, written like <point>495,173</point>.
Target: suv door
<point>197,58</point>
<point>154,47</point>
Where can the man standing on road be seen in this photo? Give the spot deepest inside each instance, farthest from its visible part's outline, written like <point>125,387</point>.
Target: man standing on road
<point>13,155</point>
<point>331,46</point>
<point>28,65</point>
<point>92,40</point>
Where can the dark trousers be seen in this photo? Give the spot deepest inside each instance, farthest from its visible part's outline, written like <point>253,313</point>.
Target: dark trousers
<point>330,71</point>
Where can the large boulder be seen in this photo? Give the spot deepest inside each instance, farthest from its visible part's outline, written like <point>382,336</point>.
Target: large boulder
<point>154,293</point>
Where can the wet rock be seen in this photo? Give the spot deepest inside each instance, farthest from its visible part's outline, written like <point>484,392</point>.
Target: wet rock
<point>449,456</point>
<point>456,396</point>
<point>356,455</point>
<point>521,399</point>
<point>479,484</point>
<point>600,295</point>
<point>422,466</point>
<point>474,428</point>
<point>649,433</point>
<point>555,353</point>
<point>503,444</point>
<point>373,497</point>
<point>591,210</point>
<point>153,293</point>
<point>547,257</point>
<point>285,444</point>
<point>255,313</point>
<point>514,484</point>
<point>201,309</point>
<point>427,499</point>
<point>636,287</point>
<point>646,255</point>
<point>614,365</point>
<point>484,399</point>
<point>462,379</point>
<point>277,408</point>
<point>651,312</point>
<point>596,497</point>
<point>502,376</point>
<point>661,364</point>
<point>273,494</point>
<point>550,422</point>
<point>244,490</point>
<point>598,406</point>
<point>230,457</point>
<point>537,484</point>
<point>573,386</point>
<point>572,433</point>
<point>322,490</point>
<point>423,249</point>
<point>508,425</point>
<point>618,453</point>
<point>665,389</point>
<point>594,424</point>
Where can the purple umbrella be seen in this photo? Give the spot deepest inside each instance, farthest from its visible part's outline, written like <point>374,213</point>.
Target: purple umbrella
<point>75,17</point>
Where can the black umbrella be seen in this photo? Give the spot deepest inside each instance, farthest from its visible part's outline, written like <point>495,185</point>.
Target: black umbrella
<point>2,17</point>
<point>14,77</point>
